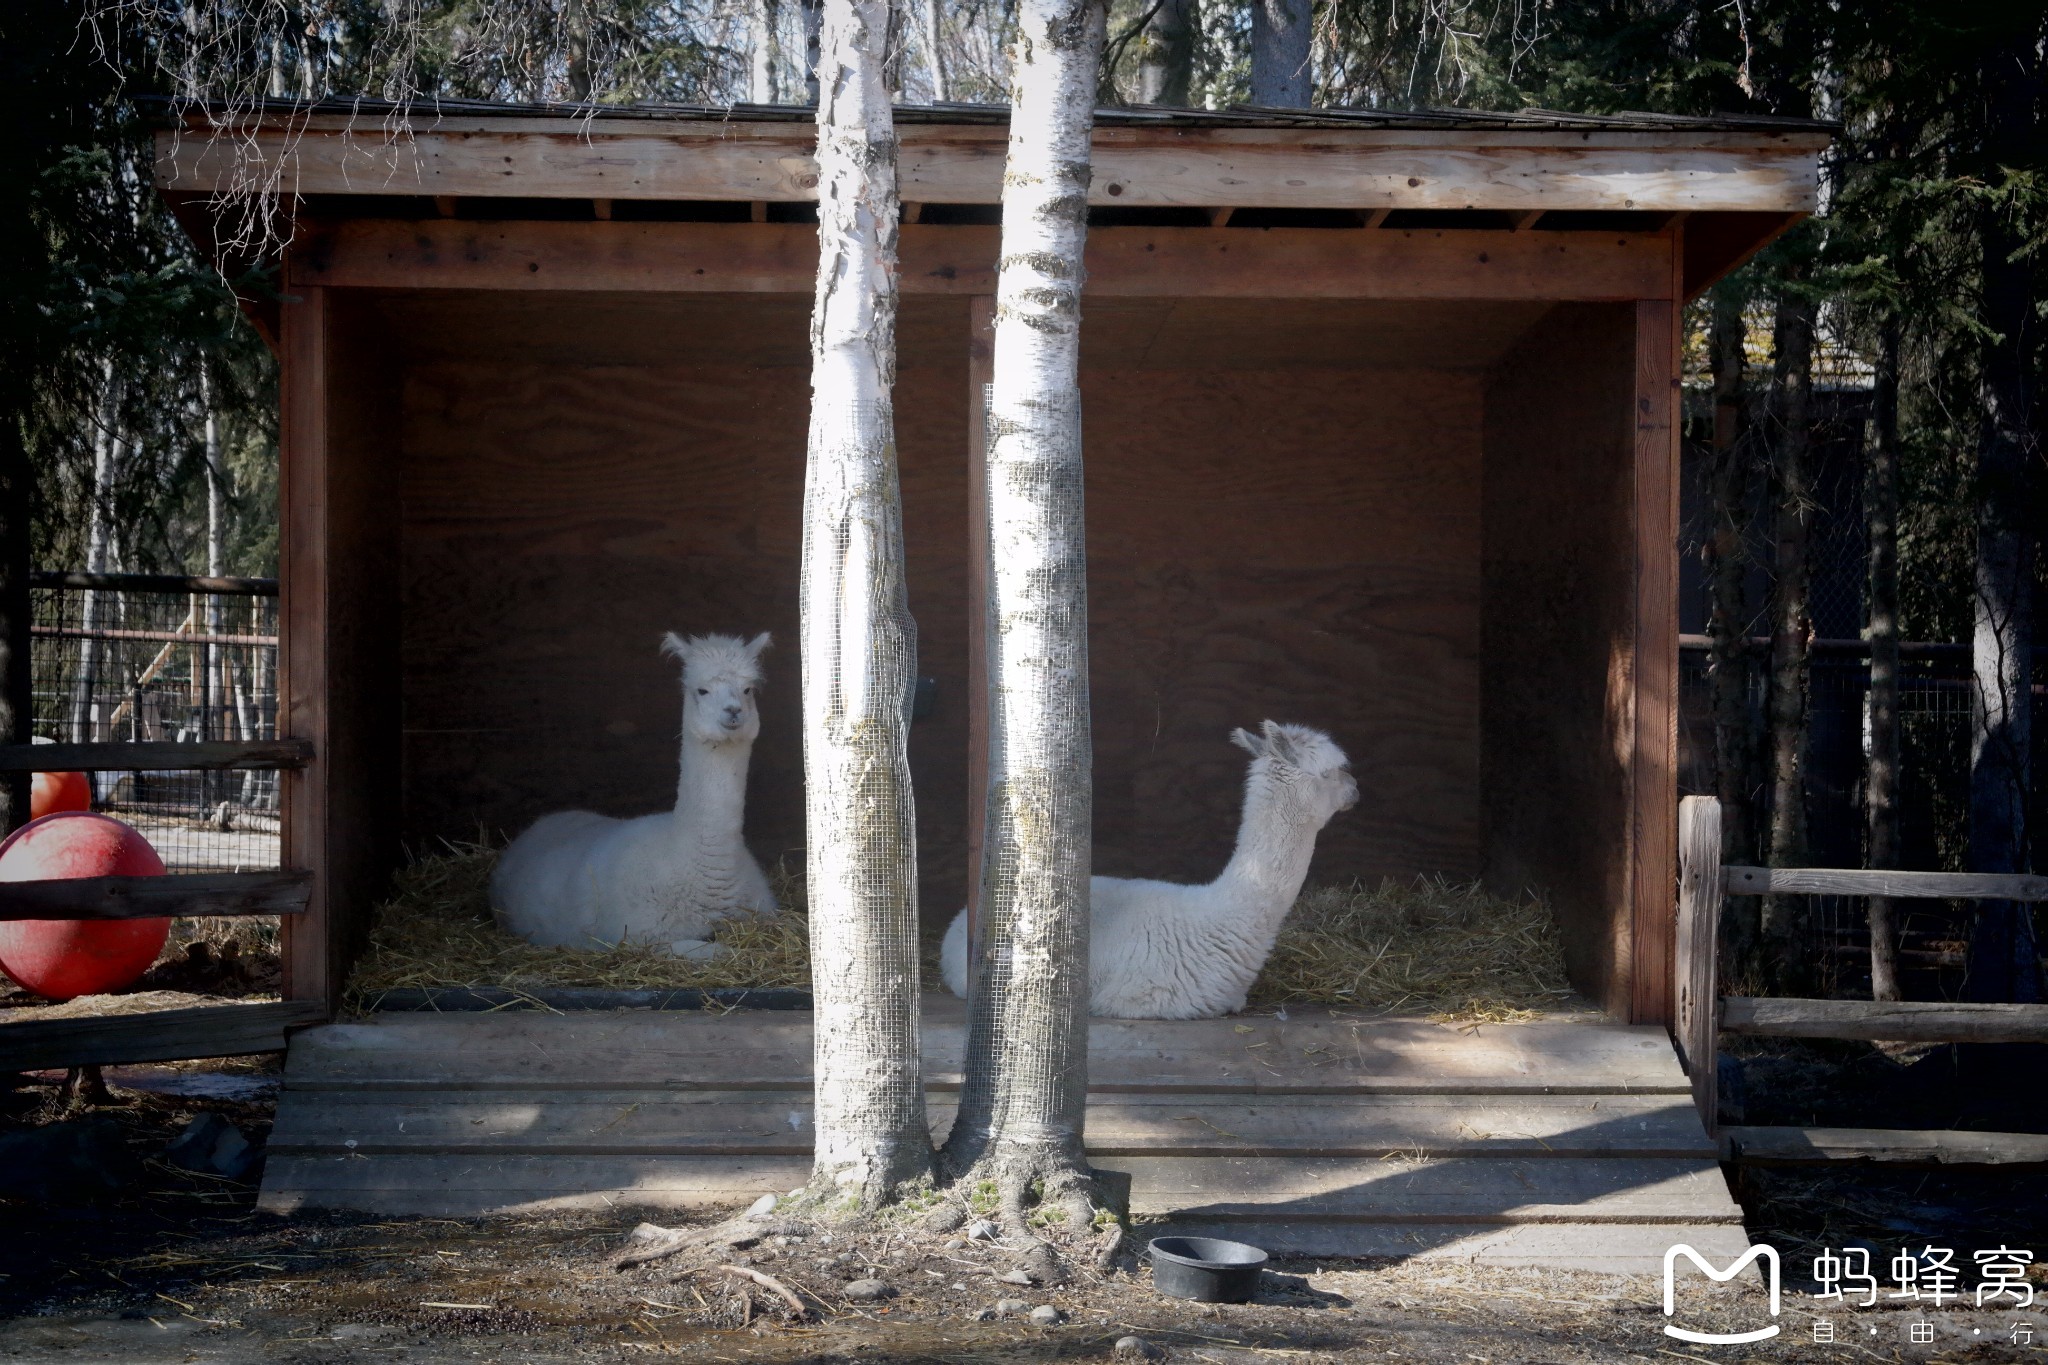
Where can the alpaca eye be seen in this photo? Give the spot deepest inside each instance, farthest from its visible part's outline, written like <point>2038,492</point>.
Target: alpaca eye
<point>703,691</point>
<point>750,691</point>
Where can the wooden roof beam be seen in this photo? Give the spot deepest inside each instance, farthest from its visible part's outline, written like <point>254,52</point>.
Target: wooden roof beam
<point>1253,168</point>
<point>1191,262</point>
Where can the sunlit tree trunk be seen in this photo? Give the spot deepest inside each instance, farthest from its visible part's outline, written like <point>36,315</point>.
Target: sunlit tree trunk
<point>1784,917</point>
<point>934,49</point>
<point>1021,1108</point>
<point>99,540</point>
<point>1166,54</point>
<point>1881,782</point>
<point>2004,963</point>
<point>1281,34</point>
<point>813,16</point>
<point>859,651</point>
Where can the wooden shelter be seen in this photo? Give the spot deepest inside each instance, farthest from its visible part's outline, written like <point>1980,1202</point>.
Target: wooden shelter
<point>1382,437</point>
<point>1381,415</point>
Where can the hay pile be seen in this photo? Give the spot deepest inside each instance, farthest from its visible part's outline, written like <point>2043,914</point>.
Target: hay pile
<point>1432,947</point>
<point>436,930</point>
<point>1428,947</point>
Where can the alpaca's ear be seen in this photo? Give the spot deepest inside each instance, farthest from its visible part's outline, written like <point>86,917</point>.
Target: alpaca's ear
<point>1279,744</point>
<point>1249,743</point>
<point>758,645</point>
<point>675,646</point>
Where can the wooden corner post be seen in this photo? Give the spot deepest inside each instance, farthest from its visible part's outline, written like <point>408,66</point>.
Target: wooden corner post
<point>1699,924</point>
<point>1653,775</point>
<point>981,342</point>
<point>303,664</point>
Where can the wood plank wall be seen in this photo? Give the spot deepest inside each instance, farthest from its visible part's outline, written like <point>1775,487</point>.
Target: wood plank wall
<point>338,480</point>
<point>1301,544</point>
<point>1558,728</point>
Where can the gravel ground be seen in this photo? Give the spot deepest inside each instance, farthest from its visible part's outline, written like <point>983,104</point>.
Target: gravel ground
<point>182,1268</point>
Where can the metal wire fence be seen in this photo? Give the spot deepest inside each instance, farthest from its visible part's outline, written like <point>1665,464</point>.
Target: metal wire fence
<point>152,659</point>
<point>1934,762</point>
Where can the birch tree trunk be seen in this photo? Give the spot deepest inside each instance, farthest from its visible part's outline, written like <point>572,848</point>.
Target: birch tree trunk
<point>813,12</point>
<point>2004,961</point>
<point>1166,54</point>
<point>1881,782</point>
<point>1731,499</point>
<point>213,694</point>
<point>1784,918</point>
<point>1282,31</point>
<point>761,51</point>
<point>1021,1107</point>
<point>934,52</point>
<point>99,534</point>
<point>859,652</point>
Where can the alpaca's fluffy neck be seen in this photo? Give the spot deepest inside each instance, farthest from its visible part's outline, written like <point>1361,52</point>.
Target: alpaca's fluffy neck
<point>1276,838</point>
<point>711,788</point>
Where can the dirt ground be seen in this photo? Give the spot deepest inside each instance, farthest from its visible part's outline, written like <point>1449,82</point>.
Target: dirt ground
<point>183,1269</point>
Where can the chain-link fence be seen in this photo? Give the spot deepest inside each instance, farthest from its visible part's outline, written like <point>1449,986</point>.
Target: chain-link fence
<point>1934,764</point>
<point>134,657</point>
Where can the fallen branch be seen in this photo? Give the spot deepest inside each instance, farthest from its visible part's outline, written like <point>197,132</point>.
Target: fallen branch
<point>767,1281</point>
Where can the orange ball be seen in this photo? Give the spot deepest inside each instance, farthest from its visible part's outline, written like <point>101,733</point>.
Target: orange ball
<point>62,958</point>
<point>52,792</point>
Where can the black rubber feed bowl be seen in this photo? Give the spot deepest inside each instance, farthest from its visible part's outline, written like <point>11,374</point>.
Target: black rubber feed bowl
<point>1206,1270</point>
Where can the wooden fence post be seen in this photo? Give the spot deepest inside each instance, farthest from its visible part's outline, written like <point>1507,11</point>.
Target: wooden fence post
<point>1699,919</point>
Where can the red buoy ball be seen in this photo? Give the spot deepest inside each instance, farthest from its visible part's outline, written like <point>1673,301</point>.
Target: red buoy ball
<point>52,792</point>
<point>63,958</point>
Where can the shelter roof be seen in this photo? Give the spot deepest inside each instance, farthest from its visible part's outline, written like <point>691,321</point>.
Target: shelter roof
<point>1145,116</point>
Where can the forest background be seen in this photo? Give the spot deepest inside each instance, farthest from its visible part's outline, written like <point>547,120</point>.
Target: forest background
<point>131,393</point>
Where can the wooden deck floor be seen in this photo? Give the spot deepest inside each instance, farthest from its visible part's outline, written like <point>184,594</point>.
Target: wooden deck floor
<point>1565,1143</point>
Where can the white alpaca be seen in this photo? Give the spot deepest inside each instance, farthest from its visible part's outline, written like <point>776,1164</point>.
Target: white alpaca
<point>577,879</point>
<point>1161,950</point>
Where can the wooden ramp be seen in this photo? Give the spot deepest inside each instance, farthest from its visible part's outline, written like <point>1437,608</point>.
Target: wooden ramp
<point>1559,1143</point>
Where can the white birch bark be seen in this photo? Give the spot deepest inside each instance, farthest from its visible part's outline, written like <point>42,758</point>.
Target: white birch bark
<point>99,544</point>
<point>934,54</point>
<point>859,649</point>
<point>761,51</point>
<point>1027,1053</point>
<point>216,557</point>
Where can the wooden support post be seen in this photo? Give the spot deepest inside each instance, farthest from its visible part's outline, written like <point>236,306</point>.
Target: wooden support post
<point>444,205</point>
<point>1373,218</point>
<point>17,698</point>
<point>302,633</point>
<point>912,212</point>
<point>981,342</point>
<point>1526,219</point>
<point>1699,921</point>
<point>757,211</point>
<point>1653,767</point>
<point>1220,217</point>
<point>601,209</point>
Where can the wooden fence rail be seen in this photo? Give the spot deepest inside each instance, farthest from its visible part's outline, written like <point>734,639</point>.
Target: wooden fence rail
<point>155,755</point>
<point>209,894</point>
<point>1702,1015</point>
<point>226,1030</point>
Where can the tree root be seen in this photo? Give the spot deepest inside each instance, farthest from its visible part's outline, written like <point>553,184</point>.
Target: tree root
<point>659,1243</point>
<point>767,1281</point>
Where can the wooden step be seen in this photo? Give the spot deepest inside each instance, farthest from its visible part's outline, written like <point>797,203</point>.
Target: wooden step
<point>1457,1191</point>
<point>771,1050</point>
<point>745,1122</point>
<point>1449,1190</point>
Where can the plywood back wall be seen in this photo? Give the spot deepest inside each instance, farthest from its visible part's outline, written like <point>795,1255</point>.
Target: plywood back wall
<point>1301,545</point>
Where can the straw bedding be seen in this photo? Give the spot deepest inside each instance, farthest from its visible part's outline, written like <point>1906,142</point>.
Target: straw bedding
<point>1426,947</point>
<point>1446,949</point>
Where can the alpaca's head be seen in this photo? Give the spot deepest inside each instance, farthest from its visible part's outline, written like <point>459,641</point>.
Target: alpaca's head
<point>1305,764</point>
<point>721,674</point>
